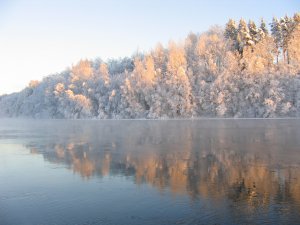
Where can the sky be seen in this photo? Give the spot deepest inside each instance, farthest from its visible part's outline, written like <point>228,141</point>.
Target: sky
<point>39,37</point>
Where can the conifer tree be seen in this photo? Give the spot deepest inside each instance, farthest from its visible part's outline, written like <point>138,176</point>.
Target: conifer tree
<point>276,32</point>
<point>254,33</point>
<point>243,36</point>
<point>231,32</point>
<point>263,26</point>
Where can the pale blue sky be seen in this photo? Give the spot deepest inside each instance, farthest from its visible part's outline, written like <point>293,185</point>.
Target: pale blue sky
<point>39,37</point>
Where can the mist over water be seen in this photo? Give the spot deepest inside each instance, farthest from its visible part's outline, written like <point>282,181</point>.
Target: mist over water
<point>149,172</point>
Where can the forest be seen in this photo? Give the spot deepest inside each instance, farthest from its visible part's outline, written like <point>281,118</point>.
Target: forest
<point>242,70</point>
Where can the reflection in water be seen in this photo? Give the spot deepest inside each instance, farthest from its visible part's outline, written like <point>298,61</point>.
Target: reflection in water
<point>249,162</point>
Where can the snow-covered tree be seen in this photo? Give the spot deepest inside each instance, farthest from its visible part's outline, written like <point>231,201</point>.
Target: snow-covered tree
<point>243,36</point>
<point>231,32</point>
<point>81,71</point>
<point>178,96</point>
<point>211,51</point>
<point>219,73</point>
<point>276,32</point>
<point>254,32</point>
<point>294,47</point>
<point>263,30</point>
<point>259,58</point>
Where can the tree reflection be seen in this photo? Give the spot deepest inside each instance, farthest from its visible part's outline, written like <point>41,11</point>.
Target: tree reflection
<point>224,160</point>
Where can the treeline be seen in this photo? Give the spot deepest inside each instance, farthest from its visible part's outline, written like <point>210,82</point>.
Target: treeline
<point>243,70</point>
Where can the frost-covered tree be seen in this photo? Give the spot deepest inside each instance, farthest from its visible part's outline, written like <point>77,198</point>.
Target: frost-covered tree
<point>178,96</point>
<point>259,58</point>
<point>137,88</point>
<point>276,32</point>
<point>231,32</point>
<point>263,30</point>
<point>101,91</point>
<point>243,36</point>
<point>294,47</point>
<point>282,32</point>
<point>211,52</point>
<point>219,73</point>
<point>81,71</point>
<point>190,46</point>
<point>254,32</point>
<point>287,26</point>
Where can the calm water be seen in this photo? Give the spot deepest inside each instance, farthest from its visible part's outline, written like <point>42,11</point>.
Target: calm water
<point>59,172</point>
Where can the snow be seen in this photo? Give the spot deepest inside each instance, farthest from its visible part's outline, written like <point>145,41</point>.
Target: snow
<point>235,75</point>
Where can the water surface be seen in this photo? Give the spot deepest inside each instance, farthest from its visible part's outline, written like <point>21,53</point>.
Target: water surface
<point>84,172</point>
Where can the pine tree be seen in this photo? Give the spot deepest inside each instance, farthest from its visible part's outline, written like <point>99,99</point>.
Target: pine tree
<point>276,32</point>
<point>286,27</point>
<point>231,33</point>
<point>294,43</point>
<point>263,26</point>
<point>254,33</point>
<point>243,36</point>
<point>231,30</point>
<point>263,30</point>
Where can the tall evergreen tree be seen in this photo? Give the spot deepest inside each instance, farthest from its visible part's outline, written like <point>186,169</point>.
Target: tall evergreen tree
<point>294,42</point>
<point>230,33</point>
<point>287,25</point>
<point>263,30</point>
<point>263,26</point>
<point>243,36</point>
<point>276,32</point>
<point>254,32</point>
